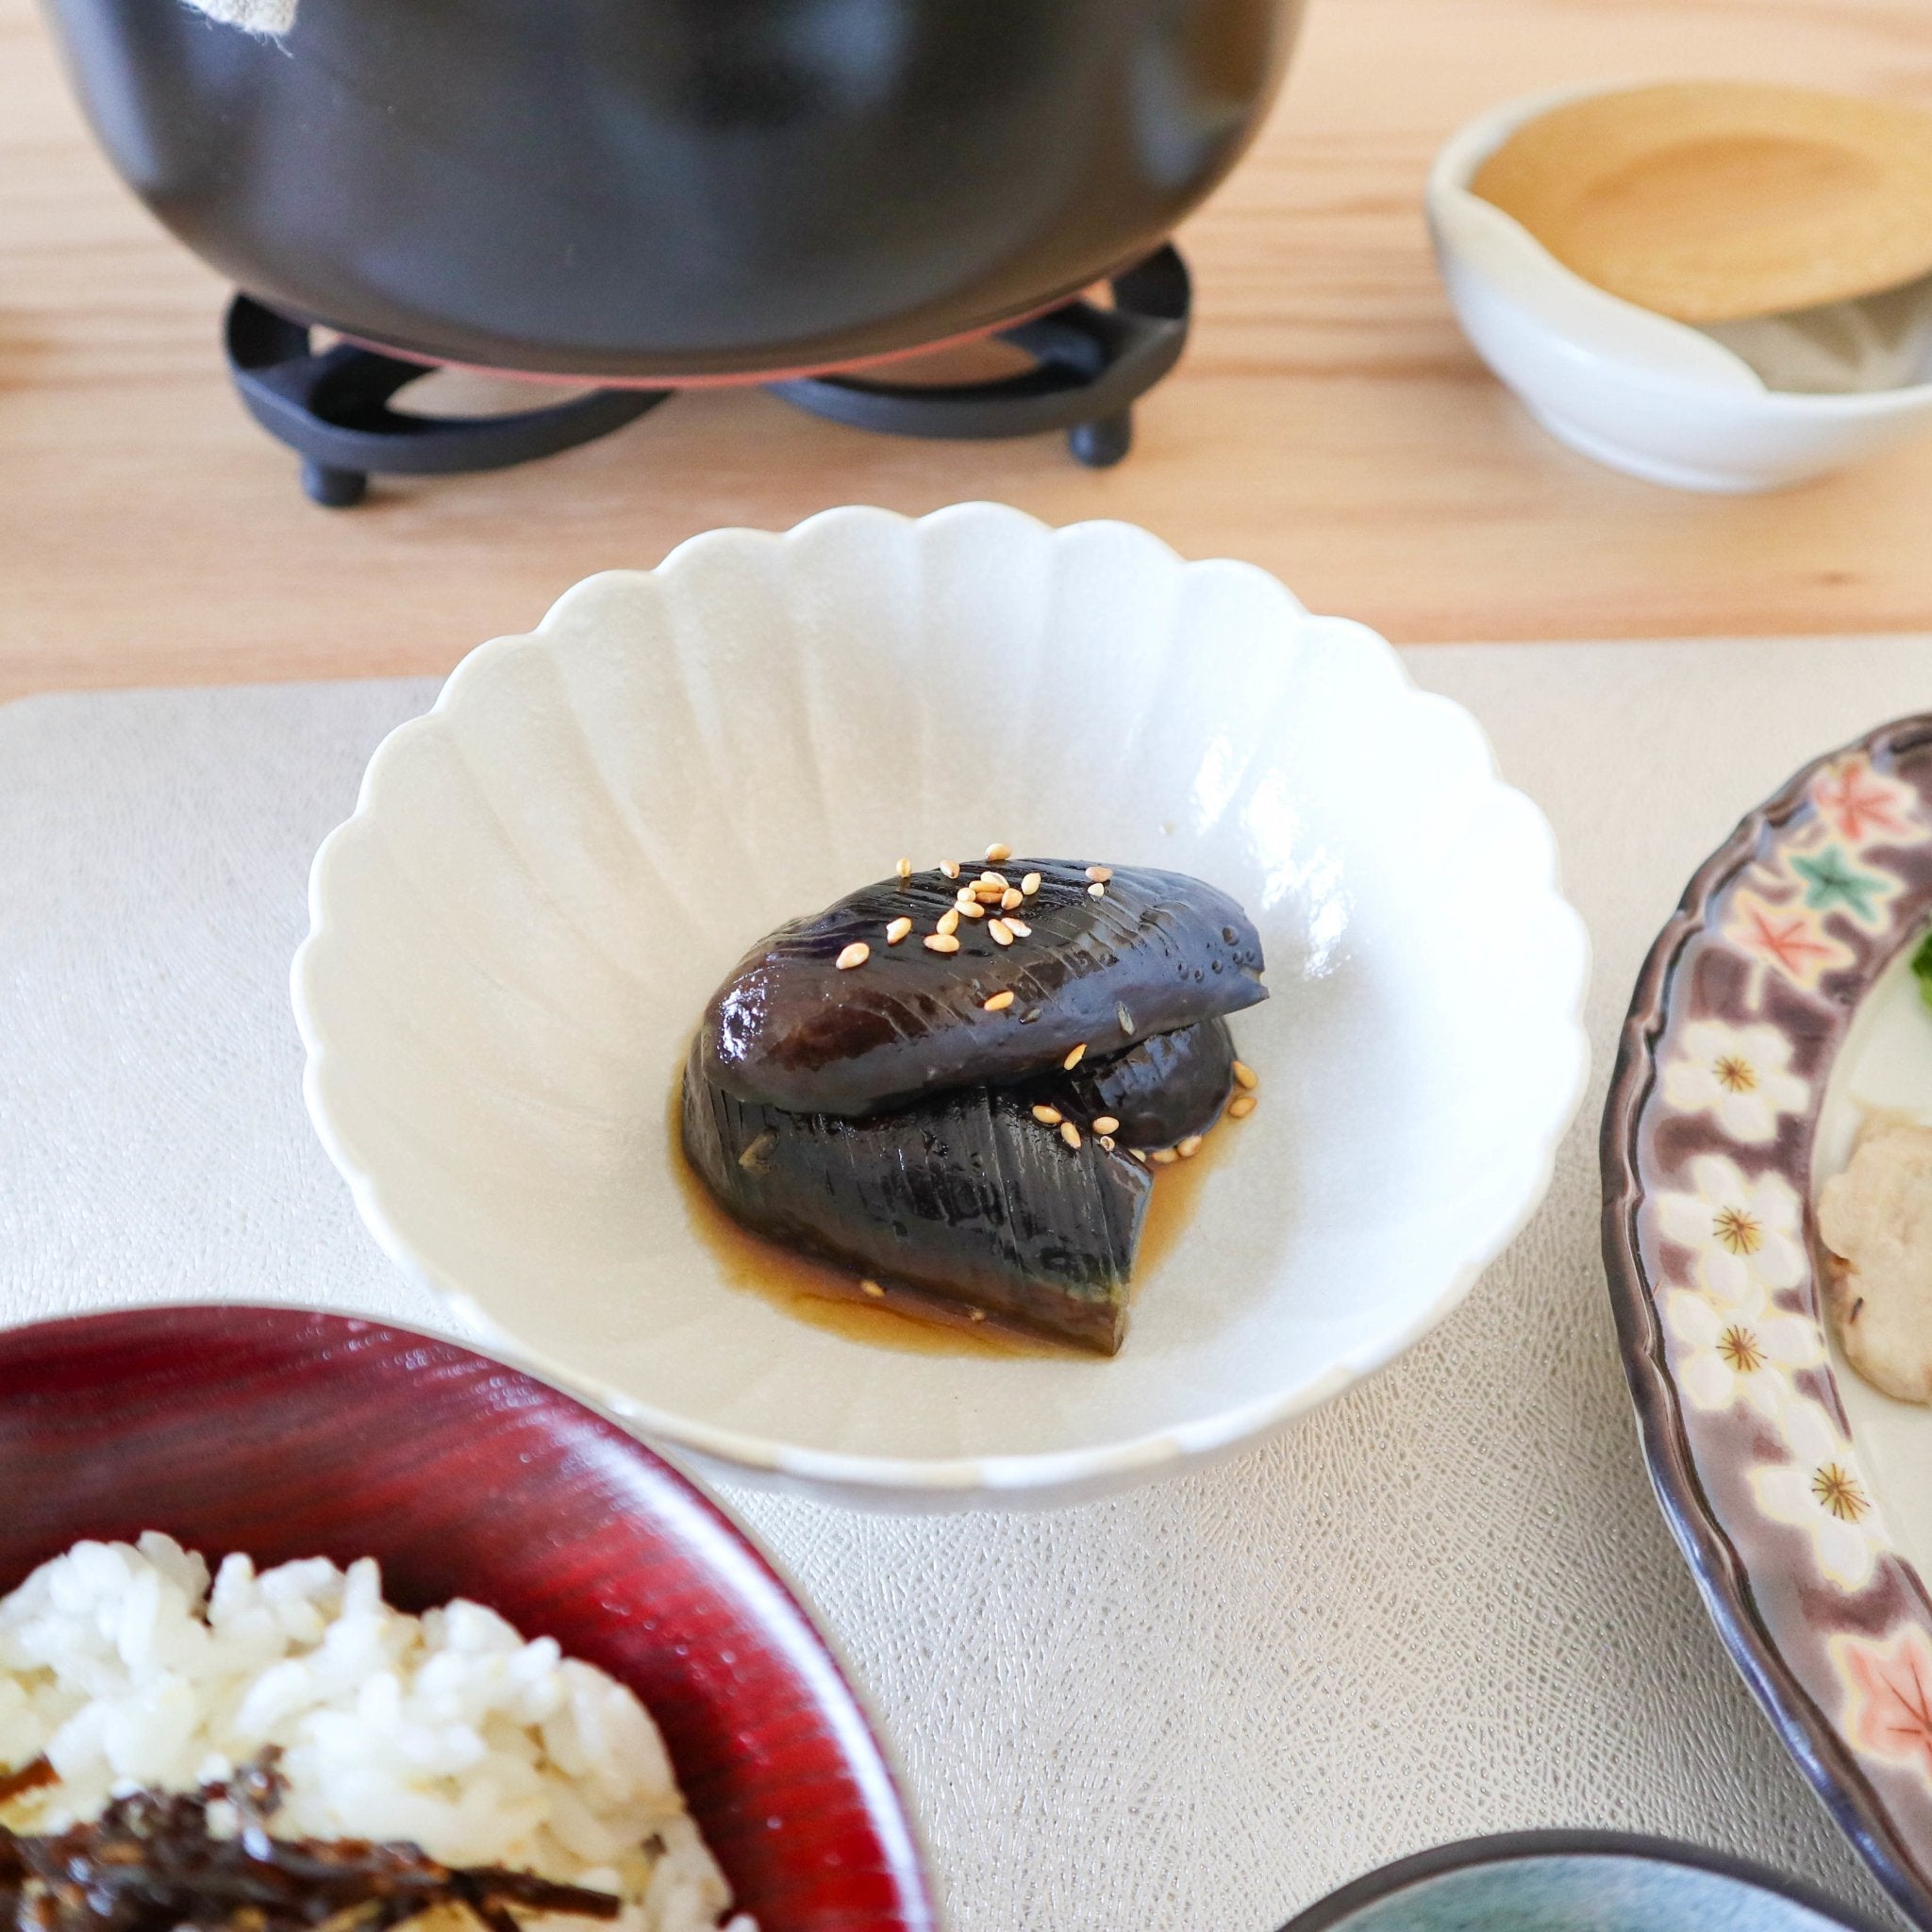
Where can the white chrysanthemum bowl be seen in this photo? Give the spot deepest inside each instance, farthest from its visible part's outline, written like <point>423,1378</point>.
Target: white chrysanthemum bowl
<point>514,937</point>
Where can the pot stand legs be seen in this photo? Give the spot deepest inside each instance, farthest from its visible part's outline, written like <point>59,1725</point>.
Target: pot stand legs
<point>1090,365</point>
<point>332,406</point>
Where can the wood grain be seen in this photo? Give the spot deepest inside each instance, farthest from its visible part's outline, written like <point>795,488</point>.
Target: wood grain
<point>1329,421</point>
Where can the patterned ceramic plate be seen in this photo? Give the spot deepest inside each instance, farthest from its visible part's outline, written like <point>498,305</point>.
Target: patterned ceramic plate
<point>1775,1009</point>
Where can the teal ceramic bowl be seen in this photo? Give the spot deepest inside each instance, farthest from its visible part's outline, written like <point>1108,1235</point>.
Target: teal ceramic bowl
<point>1575,1881</point>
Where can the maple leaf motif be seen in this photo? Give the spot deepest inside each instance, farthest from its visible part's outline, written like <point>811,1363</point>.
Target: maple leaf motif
<point>1860,804</point>
<point>1788,941</point>
<point>1831,882</point>
<point>1890,1684</point>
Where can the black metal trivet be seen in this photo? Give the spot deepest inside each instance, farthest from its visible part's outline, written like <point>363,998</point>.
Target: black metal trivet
<point>332,406</point>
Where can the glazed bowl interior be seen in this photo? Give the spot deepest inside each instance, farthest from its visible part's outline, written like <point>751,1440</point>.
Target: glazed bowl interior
<point>287,1435</point>
<point>513,939</point>
<point>1572,1882</point>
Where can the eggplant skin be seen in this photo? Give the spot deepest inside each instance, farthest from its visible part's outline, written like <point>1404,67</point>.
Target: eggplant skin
<point>1161,1090</point>
<point>1156,951</point>
<point>967,1198</point>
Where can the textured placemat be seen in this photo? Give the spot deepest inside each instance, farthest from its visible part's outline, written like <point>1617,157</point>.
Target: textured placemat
<point>1446,1604</point>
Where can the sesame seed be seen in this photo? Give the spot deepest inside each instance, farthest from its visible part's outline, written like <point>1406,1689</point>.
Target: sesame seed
<point>1011,897</point>
<point>1137,1156</point>
<point>1002,933</point>
<point>1048,1116</point>
<point>971,909</point>
<point>965,895</point>
<point>1241,1106</point>
<point>1072,1060</point>
<point>1125,1018</point>
<point>1070,1133</point>
<point>976,1314</point>
<point>989,895</point>
<point>1107,1124</point>
<point>1165,1156</point>
<point>1107,1141</point>
<point>950,867</point>
<point>1096,892</point>
<point>949,922</point>
<point>1190,1147</point>
<point>1246,1076</point>
<point>996,853</point>
<point>1030,884</point>
<point>871,1288</point>
<point>856,954</point>
<point>1100,874</point>
<point>904,869</point>
<point>1018,927</point>
<point>939,943</point>
<point>897,931</point>
<point>999,1002</point>
<point>993,878</point>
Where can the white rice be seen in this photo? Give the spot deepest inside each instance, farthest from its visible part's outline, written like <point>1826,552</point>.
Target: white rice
<point>127,1670</point>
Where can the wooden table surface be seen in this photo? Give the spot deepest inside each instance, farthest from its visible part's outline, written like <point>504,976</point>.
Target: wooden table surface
<point>1329,421</point>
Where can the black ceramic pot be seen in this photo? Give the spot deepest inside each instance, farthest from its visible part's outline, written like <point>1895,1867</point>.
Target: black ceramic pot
<point>676,188</point>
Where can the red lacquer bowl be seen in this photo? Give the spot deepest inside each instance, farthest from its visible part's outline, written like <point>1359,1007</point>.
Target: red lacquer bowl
<point>289,1434</point>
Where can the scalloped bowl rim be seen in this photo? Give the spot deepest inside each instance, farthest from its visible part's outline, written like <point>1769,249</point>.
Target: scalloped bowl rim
<point>1056,1475</point>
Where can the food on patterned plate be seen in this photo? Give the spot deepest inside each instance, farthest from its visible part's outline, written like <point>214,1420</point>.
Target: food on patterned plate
<point>955,1082</point>
<point>1876,1220</point>
<point>273,1751</point>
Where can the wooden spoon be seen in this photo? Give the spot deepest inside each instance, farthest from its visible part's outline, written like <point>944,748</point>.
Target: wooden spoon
<point>1709,201</point>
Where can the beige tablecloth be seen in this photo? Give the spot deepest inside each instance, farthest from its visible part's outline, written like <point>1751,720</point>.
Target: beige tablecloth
<point>1445,1605</point>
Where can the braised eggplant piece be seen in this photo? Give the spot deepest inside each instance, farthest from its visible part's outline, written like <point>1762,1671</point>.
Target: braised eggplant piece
<point>967,1200</point>
<point>1157,1093</point>
<point>1093,958</point>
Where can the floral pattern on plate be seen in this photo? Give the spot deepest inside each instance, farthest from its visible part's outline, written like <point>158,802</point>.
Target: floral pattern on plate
<point>1713,1263</point>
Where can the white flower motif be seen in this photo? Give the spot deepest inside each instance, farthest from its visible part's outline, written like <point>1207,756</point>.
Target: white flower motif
<point>1743,1231</point>
<point>1823,1492</point>
<point>1737,1350</point>
<point>1739,1074</point>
